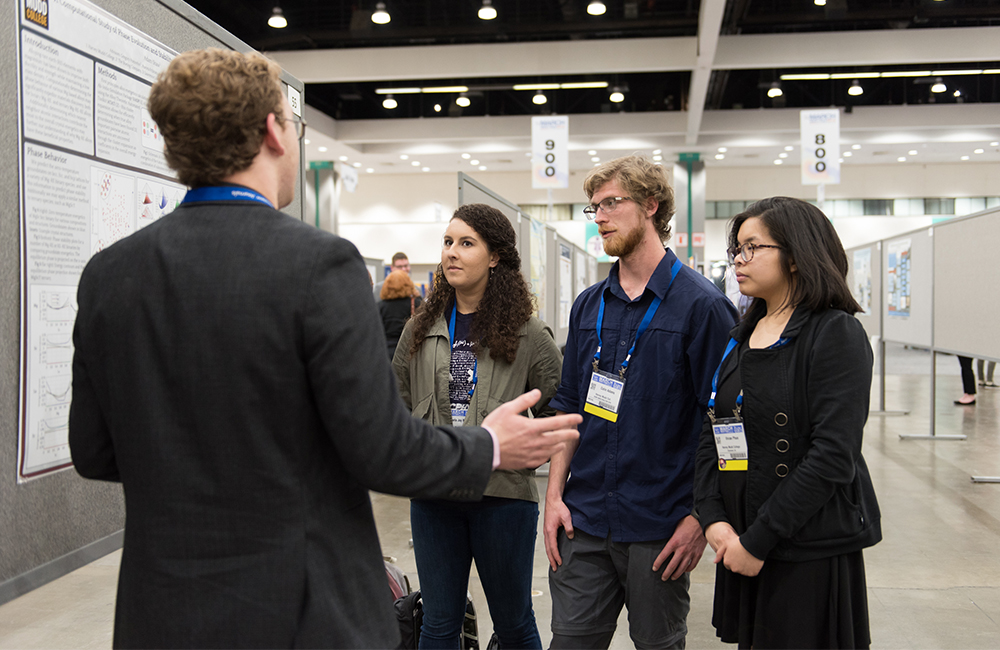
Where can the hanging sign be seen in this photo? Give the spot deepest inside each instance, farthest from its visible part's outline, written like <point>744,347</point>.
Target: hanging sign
<point>820,146</point>
<point>549,152</point>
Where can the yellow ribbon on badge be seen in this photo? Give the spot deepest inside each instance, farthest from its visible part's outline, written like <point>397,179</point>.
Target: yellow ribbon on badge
<point>601,413</point>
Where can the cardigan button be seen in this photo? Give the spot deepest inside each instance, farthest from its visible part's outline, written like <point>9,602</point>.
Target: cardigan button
<point>782,445</point>
<point>781,419</point>
<point>781,470</point>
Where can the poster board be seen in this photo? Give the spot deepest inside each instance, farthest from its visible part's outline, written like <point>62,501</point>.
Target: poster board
<point>966,278</point>
<point>864,277</point>
<point>472,191</point>
<point>908,289</point>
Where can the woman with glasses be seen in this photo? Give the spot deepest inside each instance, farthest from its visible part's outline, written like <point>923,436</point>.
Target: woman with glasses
<point>781,489</point>
<point>474,346</point>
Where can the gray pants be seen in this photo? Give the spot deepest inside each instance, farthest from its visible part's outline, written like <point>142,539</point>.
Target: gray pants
<point>599,576</point>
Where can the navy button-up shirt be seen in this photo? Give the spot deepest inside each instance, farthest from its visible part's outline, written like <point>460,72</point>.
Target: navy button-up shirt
<point>633,478</point>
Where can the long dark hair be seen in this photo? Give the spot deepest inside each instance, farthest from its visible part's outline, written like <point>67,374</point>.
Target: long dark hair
<point>507,303</point>
<point>808,240</point>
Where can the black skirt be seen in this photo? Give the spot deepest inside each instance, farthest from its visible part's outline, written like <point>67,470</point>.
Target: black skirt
<point>815,604</point>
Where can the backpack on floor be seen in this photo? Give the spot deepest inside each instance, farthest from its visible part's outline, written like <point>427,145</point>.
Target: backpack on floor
<point>410,615</point>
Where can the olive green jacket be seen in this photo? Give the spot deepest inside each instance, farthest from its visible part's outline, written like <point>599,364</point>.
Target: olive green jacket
<point>423,385</point>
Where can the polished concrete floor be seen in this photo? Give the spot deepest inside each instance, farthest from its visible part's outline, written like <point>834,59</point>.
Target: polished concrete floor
<point>933,582</point>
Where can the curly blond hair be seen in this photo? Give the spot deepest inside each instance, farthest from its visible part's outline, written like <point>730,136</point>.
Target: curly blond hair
<point>211,106</point>
<point>641,179</point>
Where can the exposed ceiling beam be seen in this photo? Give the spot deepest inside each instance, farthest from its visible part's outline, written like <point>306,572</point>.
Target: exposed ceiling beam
<point>709,24</point>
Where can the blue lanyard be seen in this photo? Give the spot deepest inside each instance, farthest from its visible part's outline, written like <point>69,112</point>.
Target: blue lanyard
<point>451,338</point>
<point>224,193</point>
<point>729,348</point>
<point>643,325</point>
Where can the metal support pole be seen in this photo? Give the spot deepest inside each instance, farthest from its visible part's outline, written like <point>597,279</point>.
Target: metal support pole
<point>881,383</point>
<point>932,435</point>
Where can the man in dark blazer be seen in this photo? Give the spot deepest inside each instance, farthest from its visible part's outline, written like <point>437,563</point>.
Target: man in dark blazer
<point>230,371</point>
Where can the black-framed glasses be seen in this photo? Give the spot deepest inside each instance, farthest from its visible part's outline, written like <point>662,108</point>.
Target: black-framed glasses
<point>746,251</point>
<point>608,205</point>
<point>300,125</point>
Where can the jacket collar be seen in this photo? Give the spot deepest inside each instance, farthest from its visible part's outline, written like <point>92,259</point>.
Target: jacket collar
<point>794,325</point>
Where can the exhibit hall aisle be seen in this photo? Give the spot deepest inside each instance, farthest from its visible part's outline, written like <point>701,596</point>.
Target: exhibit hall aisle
<point>932,582</point>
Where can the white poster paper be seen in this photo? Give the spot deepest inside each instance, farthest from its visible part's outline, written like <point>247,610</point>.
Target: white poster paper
<point>92,171</point>
<point>820,131</point>
<point>550,152</point>
<point>565,284</point>
<point>861,287</point>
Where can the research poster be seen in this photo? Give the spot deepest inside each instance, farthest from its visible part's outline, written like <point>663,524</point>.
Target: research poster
<point>538,265</point>
<point>898,278</point>
<point>861,286</point>
<point>581,273</point>
<point>565,284</point>
<point>91,171</point>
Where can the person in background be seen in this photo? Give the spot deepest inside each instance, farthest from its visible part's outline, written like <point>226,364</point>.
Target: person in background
<point>474,346</point>
<point>986,379</point>
<point>968,397</point>
<point>642,346</point>
<point>400,262</point>
<point>781,487</point>
<point>398,302</point>
<point>229,371</point>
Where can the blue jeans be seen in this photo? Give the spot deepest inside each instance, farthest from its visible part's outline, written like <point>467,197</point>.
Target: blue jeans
<point>500,535</point>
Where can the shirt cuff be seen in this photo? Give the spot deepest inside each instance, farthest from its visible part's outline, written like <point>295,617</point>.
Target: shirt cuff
<point>496,446</point>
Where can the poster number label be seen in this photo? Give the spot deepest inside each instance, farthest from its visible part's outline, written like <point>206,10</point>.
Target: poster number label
<point>820,132</point>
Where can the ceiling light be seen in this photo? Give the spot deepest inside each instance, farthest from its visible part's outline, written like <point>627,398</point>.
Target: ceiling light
<point>774,90</point>
<point>277,19</point>
<point>482,168</point>
<point>723,149</point>
<point>584,84</point>
<point>370,170</point>
<point>855,146</point>
<point>380,16</point>
<point>804,77</point>
<point>978,151</point>
<point>955,72</point>
<point>307,141</point>
<point>595,159</point>
<point>466,156</point>
<point>938,86</point>
<point>425,169</point>
<point>995,144</point>
<point>592,152</point>
<point>848,154</point>
<point>819,3</point>
<point>415,163</point>
<point>403,156</point>
<point>322,149</point>
<point>957,93</point>
<point>965,157</point>
<point>657,152</point>
<point>789,148</point>
<point>437,108</point>
<point>596,8</point>
<point>487,12</point>
<point>397,91</point>
<point>901,159</point>
<point>343,159</point>
<point>778,161</point>
<point>473,162</point>
<point>463,101</point>
<point>389,102</point>
<point>855,75</point>
<point>357,164</point>
<point>912,152</point>
<point>657,158</point>
<point>445,89</point>
<point>536,86</point>
<point>720,156</point>
<point>782,155</point>
<point>617,96</point>
<point>539,98</point>
<point>906,73</point>
<point>855,89</point>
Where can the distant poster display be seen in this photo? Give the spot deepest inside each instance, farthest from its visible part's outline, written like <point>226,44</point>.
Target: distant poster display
<point>861,285</point>
<point>565,284</point>
<point>581,273</point>
<point>91,171</point>
<point>898,278</point>
<point>538,265</point>
<point>595,245</point>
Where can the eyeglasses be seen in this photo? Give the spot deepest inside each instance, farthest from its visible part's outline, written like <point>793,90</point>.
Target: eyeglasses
<point>608,205</point>
<point>746,251</point>
<point>300,125</point>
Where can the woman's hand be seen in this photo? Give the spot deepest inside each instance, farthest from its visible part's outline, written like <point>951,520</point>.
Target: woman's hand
<point>730,551</point>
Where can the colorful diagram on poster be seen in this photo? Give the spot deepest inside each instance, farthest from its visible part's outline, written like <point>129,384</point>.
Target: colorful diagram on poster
<point>156,199</point>
<point>861,285</point>
<point>898,278</point>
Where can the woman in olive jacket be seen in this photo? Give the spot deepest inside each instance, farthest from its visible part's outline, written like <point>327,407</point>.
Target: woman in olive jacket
<point>781,489</point>
<point>473,346</point>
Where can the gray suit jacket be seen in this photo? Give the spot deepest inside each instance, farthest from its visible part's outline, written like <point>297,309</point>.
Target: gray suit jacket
<point>230,371</point>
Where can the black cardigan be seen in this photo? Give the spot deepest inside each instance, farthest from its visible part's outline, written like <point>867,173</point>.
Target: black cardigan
<point>805,404</point>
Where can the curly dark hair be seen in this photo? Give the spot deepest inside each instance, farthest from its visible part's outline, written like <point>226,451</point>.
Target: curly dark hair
<point>507,303</point>
<point>211,106</point>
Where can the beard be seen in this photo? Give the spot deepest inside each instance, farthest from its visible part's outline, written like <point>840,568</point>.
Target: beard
<point>622,244</point>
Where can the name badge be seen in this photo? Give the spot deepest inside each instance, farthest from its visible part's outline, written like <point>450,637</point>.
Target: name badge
<point>731,445</point>
<point>604,395</point>
<point>458,414</point>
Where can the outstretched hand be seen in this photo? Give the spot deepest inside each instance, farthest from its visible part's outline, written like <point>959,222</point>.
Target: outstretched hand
<point>526,442</point>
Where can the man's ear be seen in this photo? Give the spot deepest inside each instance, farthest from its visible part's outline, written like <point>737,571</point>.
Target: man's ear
<point>272,135</point>
<point>652,205</point>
